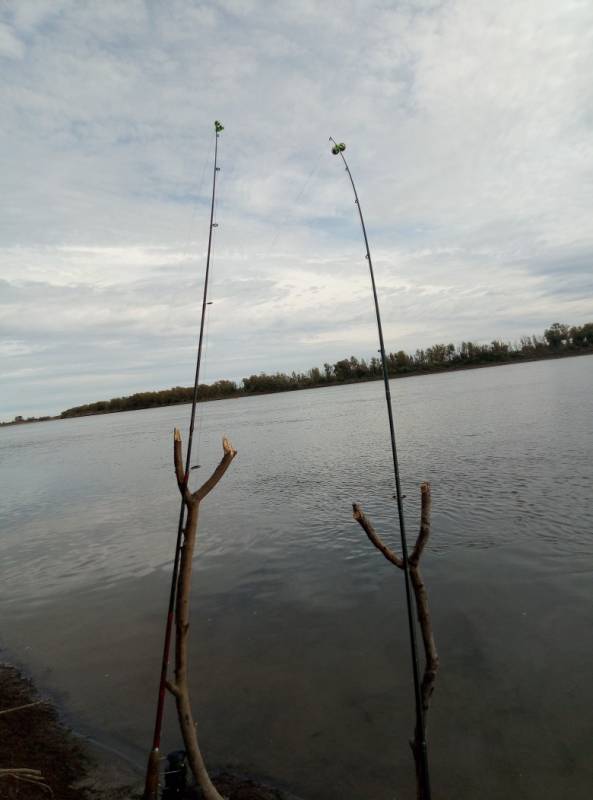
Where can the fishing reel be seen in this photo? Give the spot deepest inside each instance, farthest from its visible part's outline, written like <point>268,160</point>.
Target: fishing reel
<point>338,148</point>
<point>175,775</point>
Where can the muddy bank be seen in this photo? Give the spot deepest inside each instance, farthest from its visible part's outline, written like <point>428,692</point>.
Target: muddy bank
<point>33,738</point>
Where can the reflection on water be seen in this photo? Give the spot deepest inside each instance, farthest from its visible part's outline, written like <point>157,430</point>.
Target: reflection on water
<point>300,661</point>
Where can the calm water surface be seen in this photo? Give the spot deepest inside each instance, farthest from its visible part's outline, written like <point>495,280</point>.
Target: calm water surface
<point>300,663</point>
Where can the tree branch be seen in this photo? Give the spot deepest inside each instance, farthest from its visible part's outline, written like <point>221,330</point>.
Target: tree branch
<point>422,610</point>
<point>20,708</point>
<point>206,488</point>
<point>425,511</point>
<point>180,687</point>
<point>430,650</point>
<point>25,775</point>
<point>11,772</point>
<point>178,461</point>
<point>171,687</point>
<point>367,527</point>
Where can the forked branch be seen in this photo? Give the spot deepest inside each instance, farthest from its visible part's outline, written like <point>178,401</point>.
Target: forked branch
<point>422,609</point>
<point>229,453</point>
<point>180,687</point>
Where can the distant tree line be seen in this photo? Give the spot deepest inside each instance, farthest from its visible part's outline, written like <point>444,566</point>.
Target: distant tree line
<point>166,397</point>
<point>557,340</point>
<point>20,420</point>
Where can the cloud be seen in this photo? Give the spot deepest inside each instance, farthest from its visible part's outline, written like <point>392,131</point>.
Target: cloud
<point>468,128</point>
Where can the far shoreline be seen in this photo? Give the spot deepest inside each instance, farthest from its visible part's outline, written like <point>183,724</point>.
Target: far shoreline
<point>324,385</point>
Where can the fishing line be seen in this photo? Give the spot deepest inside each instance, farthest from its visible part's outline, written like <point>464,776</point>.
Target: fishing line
<point>206,352</point>
<point>281,227</point>
<point>337,73</point>
<point>108,749</point>
<point>338,149</point>
<point>186,249</point>
<point>200,410</point>
<point>195,207</point>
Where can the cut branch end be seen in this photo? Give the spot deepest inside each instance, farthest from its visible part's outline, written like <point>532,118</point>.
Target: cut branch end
<point>229,453</point>
<point>228,447</point>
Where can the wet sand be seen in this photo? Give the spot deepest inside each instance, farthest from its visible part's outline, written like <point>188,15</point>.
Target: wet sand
<point>33,737</point>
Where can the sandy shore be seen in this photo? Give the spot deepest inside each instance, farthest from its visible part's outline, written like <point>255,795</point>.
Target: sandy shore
<point>32,737</point>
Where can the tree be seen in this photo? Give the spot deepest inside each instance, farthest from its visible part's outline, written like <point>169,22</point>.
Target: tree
<point>527,345</point>
<point>343,370</point>
<point>577,336</point>
<point>397,362</point>
<point>420,358</point>
<point>375,366</point>
<point>587,330</point>
<point>314,376</point>
<point>499,349</point>
<point>437,354</point>
<point>556,335</point>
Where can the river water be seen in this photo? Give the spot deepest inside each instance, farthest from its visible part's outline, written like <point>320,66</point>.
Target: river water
<point>300,662</point>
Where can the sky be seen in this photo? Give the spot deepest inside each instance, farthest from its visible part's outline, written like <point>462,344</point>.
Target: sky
<point>468,127</point>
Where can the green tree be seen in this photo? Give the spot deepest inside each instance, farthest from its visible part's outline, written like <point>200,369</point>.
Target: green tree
<point>314,376</point>
<point>587,330</point>
<point>343,370</point>
<point>556,335</point>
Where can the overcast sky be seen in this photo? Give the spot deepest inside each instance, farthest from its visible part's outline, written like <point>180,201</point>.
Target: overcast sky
<point>468,126</point>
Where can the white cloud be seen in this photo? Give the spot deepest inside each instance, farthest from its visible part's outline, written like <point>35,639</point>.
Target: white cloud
<point>10,45</point>
<point>468,127</point>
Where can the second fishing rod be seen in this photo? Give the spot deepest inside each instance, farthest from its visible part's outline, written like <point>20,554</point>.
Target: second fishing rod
<point>338,149</point>
<point>152,771</point>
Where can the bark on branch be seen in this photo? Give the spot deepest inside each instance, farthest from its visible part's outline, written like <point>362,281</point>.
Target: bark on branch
<point>180,688</point>
<point>424,533</point>
<point>170,686</point>
<point>178,461</point>
<point>367,527</point>
<point>229,453</point>
<point>422,608</point>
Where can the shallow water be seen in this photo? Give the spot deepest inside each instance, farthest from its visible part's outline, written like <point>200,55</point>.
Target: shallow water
<point>300,662</point>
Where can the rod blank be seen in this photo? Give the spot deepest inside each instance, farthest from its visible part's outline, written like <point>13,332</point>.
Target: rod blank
<point>338,149</point>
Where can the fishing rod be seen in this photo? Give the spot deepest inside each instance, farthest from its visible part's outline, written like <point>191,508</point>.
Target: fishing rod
<point>152,770</point>
<point>338,149</point>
